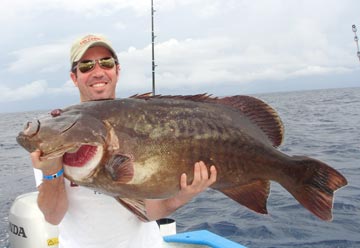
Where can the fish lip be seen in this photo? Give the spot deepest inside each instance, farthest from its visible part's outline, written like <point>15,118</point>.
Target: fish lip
<point>56,153</point>
<point>64,149</point>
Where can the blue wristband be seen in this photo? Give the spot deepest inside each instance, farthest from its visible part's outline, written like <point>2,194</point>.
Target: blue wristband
<point>53,176</point>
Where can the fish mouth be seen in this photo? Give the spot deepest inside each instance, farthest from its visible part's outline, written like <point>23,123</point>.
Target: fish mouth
<point>79,160</point>
<point>81,163</point>
<point>80,156</point>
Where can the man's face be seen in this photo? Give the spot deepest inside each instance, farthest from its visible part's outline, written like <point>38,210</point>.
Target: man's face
<point>98,83</point>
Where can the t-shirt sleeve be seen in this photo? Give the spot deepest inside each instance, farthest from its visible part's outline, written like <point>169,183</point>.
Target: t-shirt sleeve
<point>38,177</point>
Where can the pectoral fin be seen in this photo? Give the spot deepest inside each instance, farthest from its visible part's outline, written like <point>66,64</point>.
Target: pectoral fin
<point>120,168</point>
<point>135,206</point>
<point>253,195</point>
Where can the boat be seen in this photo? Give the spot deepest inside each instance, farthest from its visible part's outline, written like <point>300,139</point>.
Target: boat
<point>29,229</point>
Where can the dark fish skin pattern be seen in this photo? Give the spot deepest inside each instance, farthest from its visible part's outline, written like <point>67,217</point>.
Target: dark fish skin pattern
<point>148,142</point>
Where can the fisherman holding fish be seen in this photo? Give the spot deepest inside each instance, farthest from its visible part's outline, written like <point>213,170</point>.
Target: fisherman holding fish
<point>86,217</point>
<point>118,148</point>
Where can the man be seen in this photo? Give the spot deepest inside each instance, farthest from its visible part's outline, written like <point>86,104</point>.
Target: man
<point>88,218</point>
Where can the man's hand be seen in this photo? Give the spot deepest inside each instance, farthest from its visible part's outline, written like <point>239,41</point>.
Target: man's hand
<point>48,166</point>
<point>201,182</point>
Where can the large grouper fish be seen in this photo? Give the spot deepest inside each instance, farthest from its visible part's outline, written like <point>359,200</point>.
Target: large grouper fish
<point>136,148</point>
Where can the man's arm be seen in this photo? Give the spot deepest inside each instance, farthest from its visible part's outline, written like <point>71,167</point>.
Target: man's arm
<point>52,199</point>
<point>157,209</point>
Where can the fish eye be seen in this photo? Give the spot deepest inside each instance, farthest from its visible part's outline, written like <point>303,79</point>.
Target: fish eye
<point>56,112</point>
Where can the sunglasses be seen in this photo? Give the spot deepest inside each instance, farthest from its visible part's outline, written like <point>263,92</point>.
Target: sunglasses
<point>88,65</point>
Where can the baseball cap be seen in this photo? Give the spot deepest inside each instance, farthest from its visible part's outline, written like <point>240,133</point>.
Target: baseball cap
<point>81,45</point>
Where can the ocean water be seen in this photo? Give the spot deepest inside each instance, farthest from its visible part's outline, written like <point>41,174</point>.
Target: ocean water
<point>323,124</point>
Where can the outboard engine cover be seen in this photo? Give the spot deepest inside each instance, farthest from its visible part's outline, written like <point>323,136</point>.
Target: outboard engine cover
<point>28,227</point>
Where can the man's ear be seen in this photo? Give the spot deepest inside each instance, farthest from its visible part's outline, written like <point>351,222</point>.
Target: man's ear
<point>73,77</point>
<point>117,69</point>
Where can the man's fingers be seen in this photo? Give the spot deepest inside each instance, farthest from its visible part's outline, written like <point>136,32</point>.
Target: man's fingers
<point>213,175</point>
<point>183,181</point>
<point>203,171</point>
<point>35,156</point>
<point>197,172</point>
<point>202,177</point>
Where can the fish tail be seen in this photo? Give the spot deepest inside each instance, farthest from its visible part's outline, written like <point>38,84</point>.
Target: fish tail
<point>314,186</point>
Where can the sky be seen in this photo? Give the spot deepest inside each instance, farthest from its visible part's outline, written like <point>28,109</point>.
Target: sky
<point>220,47</point>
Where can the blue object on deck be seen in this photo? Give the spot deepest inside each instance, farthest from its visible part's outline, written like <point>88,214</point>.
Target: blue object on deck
<point>203,237</point>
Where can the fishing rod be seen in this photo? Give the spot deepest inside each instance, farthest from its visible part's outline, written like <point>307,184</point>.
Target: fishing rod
<point>152,47</point>
<point>356,39</point>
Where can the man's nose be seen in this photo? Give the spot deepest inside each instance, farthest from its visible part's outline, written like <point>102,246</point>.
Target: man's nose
<point>98,71</point>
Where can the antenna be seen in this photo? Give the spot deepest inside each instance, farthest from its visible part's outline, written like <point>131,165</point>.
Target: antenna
<point>356,39</point>
<point>152,47</point>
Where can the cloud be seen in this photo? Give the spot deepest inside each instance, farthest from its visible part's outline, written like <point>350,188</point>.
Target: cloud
<point>43,58</point>
<point>88,7</point>
<point>120,25</point>
<point>34,90</point>
<point>199,62</point>
<point>68,88</point>
<point>199,43</point>
<point>28,91</point>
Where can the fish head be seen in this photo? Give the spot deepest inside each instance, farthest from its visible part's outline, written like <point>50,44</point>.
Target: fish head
<point>68,133</point>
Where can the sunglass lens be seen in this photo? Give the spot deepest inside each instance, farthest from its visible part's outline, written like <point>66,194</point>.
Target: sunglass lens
<point>107,63</point>
<point>87,65</point>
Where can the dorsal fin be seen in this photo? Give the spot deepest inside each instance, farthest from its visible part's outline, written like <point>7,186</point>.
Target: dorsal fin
<point>264,116</point>
<point>196,98</point>
<point>144,96</point>
<point>260,113</point>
